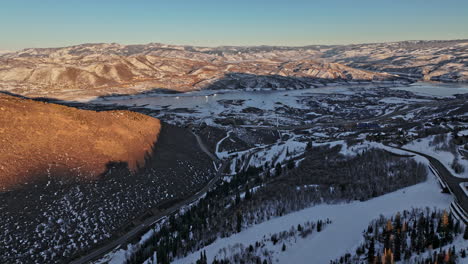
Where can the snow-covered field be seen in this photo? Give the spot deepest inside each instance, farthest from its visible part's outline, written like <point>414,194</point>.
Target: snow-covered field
<point>277,153</point>
<point>423,145</point>
<point>207,105</point>
<point>345,231</point>
<point>208,100</point>
<point>258,156</point>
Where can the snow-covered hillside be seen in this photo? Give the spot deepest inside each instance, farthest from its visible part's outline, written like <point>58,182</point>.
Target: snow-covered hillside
<point>441,150</point>
<point>342,235</point>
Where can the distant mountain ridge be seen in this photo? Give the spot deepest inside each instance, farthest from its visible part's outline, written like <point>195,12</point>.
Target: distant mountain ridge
<point>103,69</point>
<point>444,61</point>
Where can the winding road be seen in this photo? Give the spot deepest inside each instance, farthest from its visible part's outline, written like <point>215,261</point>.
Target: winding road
<point>147,223</point>
<point>451,182</point>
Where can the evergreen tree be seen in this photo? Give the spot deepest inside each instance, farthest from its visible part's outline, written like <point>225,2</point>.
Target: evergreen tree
<point>299,227</point>
<point>371,251</point>
<point>360,251</point>
<point>248,195</point>
<point>203,259</point>
<point>309,146</point>
<point>238,198</point>
<point>200,260</point>
<point>319,225</point>
<point>239,221</point>
<point>162,256</point>
<point>398,221</point>
<point>387,240</point>
<point>251,248</point>
<point>397,254</point>
<point>465,235</point>
<point>278,169</point>
<point>436,241</point>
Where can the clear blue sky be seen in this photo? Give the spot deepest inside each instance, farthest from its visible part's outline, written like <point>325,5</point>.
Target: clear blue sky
<point>52,23</point>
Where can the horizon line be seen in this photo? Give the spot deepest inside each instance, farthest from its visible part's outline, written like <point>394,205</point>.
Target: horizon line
<point>221,46</point>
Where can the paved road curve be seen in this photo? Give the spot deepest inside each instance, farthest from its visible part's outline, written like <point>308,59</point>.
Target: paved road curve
<point>157,217</point>
<point>452,182</point>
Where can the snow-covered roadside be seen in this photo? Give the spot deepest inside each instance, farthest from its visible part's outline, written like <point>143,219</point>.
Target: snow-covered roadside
<point>345,232</point>
<point>278,152</point>
<point>446,158</point>
<point>223,154</point>
<point>464,187</point>
<point>119,256</point>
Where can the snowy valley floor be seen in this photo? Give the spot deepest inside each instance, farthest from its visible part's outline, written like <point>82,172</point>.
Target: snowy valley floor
<point>344,233</point>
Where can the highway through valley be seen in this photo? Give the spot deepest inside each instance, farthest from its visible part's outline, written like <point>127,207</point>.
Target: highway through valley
<point>147,223</point>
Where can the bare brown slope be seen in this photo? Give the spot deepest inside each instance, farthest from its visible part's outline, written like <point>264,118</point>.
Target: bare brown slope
<point>38,139</point>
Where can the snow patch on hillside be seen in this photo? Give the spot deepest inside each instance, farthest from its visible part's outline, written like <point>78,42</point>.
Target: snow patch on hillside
<point>445,157</point>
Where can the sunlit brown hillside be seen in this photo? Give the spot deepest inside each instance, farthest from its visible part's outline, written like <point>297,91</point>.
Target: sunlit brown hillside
<point>39,139</point>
